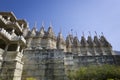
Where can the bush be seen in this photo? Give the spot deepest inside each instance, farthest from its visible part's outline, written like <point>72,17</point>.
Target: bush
<point>104,72</point>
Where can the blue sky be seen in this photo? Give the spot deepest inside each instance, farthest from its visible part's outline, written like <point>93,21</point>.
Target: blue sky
<point>79,15</point>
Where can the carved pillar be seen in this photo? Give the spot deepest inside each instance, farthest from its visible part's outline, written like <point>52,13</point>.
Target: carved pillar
<point>18,47</point>
<point>6,47</point>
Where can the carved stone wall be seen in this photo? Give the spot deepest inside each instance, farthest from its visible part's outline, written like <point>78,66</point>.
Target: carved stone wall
<point>45,64</point>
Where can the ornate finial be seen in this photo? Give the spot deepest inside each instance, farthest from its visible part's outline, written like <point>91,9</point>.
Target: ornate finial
<point>72,31</point>
<point>76,33</point>
<point>35,25</point>
<point>102,33</point>
<point>50,24</point>
<point>83,34</point>
<point>99,36</point>
<point>42,23</point>
<point>68,33</point>
<point>96,33</point>
<point>60,30</point>
<point>89,33</point>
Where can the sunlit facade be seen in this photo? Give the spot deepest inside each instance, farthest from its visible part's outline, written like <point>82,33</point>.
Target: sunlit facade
<point>42,55</point>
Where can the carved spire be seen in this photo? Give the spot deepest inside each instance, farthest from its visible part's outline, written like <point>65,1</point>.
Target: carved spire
<point>60,40</point>
<point>33,31</point>
<point>42,31</point>
<point>89,33</point>
<point>95,33</point>
<point>104,41</point>
<point>83,34</point>
<point>96,40</point>
<point>43,24</point>
<point>50,30</point>
<point>83,41</point>
<point>60,37</point>
<point>75,41</point>
<point>89,40</point>
<point>69,40</point>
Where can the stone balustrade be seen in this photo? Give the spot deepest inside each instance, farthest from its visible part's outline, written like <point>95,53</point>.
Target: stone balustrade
<point>4,20</point>
<point>19,38</point>
<point>10,37</point>
<point>20,27</point>
<point>23,39</point>
<point>9,22</point>
<point>5,33</point>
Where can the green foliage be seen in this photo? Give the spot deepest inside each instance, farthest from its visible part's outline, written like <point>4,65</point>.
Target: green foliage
<point>103,72</point>
<point>30,78</point>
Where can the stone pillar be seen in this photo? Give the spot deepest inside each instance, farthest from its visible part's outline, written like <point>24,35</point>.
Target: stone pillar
<point>6,47</point>
<point>22,51</point>
<point>18,47</point>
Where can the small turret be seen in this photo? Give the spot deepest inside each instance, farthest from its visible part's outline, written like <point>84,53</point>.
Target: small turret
<point>60,38</point>
<point>33,32</point>
<point>41,32</point>
<point>50,31</point>
<point>83,41</point>
<point>90,41</point>
<point>61,42</point>
<point>49,39</point>
<point>90,48</point>
<point>98,45</point>
<point>69,41</point>
<point>106,46</point>
<point>83,45</point>
<point>104,41</point>
<point>76,45</point>
<point>97,41</point>
<point>76,42</point>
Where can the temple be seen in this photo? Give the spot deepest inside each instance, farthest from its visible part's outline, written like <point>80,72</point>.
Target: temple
<point>41,55</point>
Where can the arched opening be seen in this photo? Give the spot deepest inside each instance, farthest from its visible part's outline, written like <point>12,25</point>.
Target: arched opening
<point>2,44</point>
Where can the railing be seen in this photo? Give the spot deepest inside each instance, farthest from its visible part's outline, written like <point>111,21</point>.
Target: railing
<point>10,37</point>
<point>9,22</point>
<point>19,38</point>
<point>3,19</point>
<point>5,33</point>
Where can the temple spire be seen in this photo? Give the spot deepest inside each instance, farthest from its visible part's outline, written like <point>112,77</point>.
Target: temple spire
<point>60,30</point>
<point>76,33</point>
<point>50,24</point>
<point>83,34</point>
<point>89,33</point>
<point>35,24</point>
<point>72,31</point>
<point>95,33</point>
<point>102,33</point>
<point>42,23</point>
